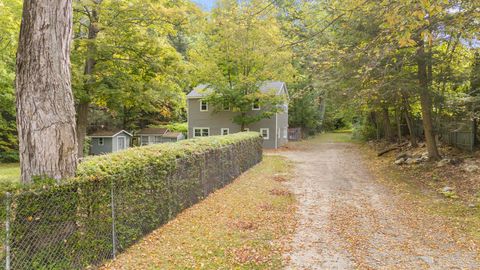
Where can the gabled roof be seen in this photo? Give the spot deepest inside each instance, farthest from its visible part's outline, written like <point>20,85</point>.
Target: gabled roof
<point>152,131</point>
<point>266,87</point>
<point>200,91</point>
<point>108,133</point>
<point>170,134</point>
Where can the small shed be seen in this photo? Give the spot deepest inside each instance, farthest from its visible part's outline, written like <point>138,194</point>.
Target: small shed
<point>149,136</point>
<point>173,136</point>
<point>109,141</point>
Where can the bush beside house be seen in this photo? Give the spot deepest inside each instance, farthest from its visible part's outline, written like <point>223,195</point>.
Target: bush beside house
<point>118,198</point>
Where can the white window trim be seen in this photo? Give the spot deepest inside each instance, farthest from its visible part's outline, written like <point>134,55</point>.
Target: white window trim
<point>285,132</point>
<point>224,129</point>
<point>276,125</point>
<point>201,129</point>
<point>268,133</point>
<point>141,140</point>
<point>256,108</point>
<point>101,141</point>
<point>226,109</point>
<point>206,103</point>
<point>124,143</point>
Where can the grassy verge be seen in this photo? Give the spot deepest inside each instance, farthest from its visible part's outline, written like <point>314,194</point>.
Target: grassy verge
<point>238,227</point>
<point>330,137</point>
<point>413,185</point>
<point>9,172</point>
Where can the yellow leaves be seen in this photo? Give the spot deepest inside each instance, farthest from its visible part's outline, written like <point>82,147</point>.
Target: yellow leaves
<point>392,19</point>
<point>419,14</point>
<point>406,40</point>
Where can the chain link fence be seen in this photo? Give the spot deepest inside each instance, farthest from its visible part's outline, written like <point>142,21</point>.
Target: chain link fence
<point>82,224</point>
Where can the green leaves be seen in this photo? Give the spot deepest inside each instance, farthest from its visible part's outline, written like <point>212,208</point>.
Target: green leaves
<point>241,49</point>
<point>10,14</point>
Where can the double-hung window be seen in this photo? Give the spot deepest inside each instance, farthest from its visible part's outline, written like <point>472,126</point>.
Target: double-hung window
<point>144,140</point>
<point>203,106</point>
<point>225,131</point>
<point>201,132</point>
<point>265,133</point>
<point>256,105</point>
<point>101,141</point>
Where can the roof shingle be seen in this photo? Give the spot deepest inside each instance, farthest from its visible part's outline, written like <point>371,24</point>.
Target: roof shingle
<point>152,131</point>
<point>203,89</point>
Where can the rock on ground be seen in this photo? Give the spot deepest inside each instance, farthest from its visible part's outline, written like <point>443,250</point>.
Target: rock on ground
<point>347,220</point>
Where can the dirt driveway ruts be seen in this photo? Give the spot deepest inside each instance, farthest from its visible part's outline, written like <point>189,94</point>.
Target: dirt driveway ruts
<point>347,220</point>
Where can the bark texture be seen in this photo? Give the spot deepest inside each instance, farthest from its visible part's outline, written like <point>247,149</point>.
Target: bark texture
<point>408,119</point>
<point>426,103</point>
<point>45,106</point>
<point>387,127</point>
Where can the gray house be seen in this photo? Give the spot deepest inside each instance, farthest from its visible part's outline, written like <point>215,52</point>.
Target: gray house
<point>203,121</point>
<point>158,135</point>
<point>151,135</point>
<point>171,136</point>
<point>109,141</point>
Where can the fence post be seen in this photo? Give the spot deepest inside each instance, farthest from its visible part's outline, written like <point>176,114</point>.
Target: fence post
<point>114,242</point>
<point>7,231</point>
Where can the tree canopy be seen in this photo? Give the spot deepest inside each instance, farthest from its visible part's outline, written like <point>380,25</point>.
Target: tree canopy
<point>377,65</point>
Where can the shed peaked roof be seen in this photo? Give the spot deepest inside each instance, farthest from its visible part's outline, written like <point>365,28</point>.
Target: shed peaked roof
<point>172,134</point>
<point>204,89</point>
<point>107,133</point>
<point>152,131</point>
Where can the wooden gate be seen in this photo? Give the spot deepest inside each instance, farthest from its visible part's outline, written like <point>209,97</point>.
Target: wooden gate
<point>294,134</point>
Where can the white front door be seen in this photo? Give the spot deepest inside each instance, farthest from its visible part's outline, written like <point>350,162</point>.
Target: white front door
<point>120,143</point>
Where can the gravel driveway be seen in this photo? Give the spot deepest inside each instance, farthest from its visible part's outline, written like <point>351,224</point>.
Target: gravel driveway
<point>347,220</point>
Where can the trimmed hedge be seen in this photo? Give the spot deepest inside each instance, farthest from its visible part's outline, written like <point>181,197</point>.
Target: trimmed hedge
<point>72,226</point>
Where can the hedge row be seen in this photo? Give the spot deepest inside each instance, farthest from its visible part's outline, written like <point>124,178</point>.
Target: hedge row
<point>118,198</point>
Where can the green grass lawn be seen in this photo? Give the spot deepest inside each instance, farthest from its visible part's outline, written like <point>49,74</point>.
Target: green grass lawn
<point>343,136</point>
<point>9,172</point>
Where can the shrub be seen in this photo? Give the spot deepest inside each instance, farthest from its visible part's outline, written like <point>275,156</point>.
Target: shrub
<point>9,156</point>
<point>175,127</point>
<point>74,225</point>
<point>364,131</point>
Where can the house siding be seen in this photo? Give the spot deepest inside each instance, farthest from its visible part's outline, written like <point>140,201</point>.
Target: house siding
<point>110,144</point>
<point>151,138</point>
<point>215,121</point>
<point>282,124</point>
<point>97,149</point>
<point>127,141</point>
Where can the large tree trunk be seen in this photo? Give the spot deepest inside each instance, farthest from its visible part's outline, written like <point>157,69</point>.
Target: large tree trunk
<point>82,123</point>
<point>387,127</point>
<point>426,102</point>
<point>84,104</point>
<point>45,106</point>
<point>373,119</point>
<point>408,119</point>
<point>398,120</point>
